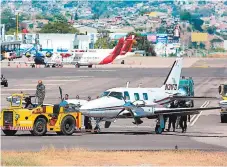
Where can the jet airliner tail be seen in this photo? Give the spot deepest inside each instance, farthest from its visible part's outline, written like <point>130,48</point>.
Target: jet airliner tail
<point>171,83</point>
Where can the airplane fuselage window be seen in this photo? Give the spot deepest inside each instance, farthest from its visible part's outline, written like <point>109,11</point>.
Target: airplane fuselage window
<point>145,96</point>
<point>118,95</point>
<point>137,96</point>
<point>126,95</point>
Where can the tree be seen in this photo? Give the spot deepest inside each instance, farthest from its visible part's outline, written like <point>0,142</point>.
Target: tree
<point>59,18</point>
<point>185,16</point>
<point>76,16</point>
<point>143,44</point>
<point>8,18</point>
<point>197,24</point>
<point>58,27</point>
<point>211,30</point>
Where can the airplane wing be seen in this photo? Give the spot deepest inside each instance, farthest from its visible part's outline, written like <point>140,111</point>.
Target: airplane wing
<point>182,110</point>
<point>146,111</point>
<point>175,97</point>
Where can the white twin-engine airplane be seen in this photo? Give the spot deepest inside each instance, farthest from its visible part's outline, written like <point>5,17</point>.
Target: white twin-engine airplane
<point>104,56</point>
<point>140,102</point>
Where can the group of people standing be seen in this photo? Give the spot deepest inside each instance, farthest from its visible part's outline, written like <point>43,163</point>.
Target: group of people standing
<point>173,120</point>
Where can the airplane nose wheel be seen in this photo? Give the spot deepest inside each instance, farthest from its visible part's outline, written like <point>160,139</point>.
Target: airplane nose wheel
<point>97,127</point>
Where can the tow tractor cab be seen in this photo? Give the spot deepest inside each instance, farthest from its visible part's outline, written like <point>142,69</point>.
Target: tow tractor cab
<point>186,87</point>
<point>38,119</point>
<point>223,92</point>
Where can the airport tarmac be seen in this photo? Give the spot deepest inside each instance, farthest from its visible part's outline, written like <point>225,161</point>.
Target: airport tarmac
<point>204,131</point>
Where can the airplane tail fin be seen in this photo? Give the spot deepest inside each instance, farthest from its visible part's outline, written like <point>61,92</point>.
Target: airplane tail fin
<point>171,83</point>
<point>116,51</point>
<point>127,45</point>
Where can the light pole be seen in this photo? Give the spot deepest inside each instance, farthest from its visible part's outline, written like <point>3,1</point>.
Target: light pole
<point>17,22</point>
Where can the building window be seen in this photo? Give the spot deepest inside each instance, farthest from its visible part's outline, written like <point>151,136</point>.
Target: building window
<point>137,96</point>
<point>126,95</point>
<point>145,96</point>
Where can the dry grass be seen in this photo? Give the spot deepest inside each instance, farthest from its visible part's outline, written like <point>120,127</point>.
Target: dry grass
<point>81,157</point>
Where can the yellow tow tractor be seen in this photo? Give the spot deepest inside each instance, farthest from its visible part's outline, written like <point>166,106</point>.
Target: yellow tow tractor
<point>39,119</point>
<point>223,92</point>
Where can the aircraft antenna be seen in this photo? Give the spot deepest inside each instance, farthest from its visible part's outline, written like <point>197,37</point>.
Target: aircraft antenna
<point>139,85</point>
<point>127,84</point>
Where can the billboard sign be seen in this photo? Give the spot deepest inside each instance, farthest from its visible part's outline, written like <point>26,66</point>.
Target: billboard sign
<point>199,37</point>
<point>152,38</point>
<point>162,38</point>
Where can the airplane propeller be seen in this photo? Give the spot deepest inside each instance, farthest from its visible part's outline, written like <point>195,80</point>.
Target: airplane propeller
<point>128,106</point>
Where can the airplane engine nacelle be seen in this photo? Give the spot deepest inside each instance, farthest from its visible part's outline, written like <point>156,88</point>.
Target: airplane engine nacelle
<point>28,54</point>
<point>49,54</point>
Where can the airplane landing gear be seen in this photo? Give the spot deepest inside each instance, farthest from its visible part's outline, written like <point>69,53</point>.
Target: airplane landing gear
<point>97,127</point>
<point>77,65</point>
<point>159,128</point>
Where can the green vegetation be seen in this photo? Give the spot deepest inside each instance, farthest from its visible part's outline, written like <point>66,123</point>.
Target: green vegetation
<point>211,30</point>
<point>143,44</point>
<point>58,27</point>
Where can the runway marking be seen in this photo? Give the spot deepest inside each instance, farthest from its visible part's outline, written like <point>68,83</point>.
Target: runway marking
<point>21,89</point>
<point>34,84</point>
<point>96,70</point>
<point>68,80</point>
<point>205,104</point>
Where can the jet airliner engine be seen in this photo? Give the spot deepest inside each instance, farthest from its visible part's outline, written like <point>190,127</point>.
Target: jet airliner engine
<point>49,54</point>
<point>28,54</point>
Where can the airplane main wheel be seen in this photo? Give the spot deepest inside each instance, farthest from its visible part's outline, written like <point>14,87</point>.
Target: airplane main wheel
<point>158,129</point>
<point>6,84</point>
<point>223,118</point>
<point>90,66</point>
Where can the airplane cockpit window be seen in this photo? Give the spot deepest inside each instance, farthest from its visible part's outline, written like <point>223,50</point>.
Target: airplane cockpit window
<point>118,95</point>
<point>104,94</point>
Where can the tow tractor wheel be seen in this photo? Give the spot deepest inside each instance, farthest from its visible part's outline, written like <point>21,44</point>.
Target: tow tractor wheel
<point>9,132</point>
<point>40,127</point>
<point>68,125</point>
<point>158,129</point>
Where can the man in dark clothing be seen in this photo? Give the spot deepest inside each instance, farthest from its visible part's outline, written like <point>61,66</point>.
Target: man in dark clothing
<point>183,122</point>
<point>40,92</point>
<point>172,120</point>
<point>87,120</point>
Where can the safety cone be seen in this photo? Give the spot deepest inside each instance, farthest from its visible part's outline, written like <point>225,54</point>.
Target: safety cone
<point>17,65</point>
<point>8,63</point>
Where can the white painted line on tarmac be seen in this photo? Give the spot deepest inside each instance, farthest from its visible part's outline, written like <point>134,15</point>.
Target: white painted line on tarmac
<point>34,84</point>
<point>193,117</point>
<point>59,80</point>
<point>96,70</point>
<point>203,106</point>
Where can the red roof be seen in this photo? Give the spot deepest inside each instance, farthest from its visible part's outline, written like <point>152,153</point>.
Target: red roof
<point>24,31</point>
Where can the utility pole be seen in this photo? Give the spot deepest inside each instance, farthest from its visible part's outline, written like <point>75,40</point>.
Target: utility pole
<point>17,25</point>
